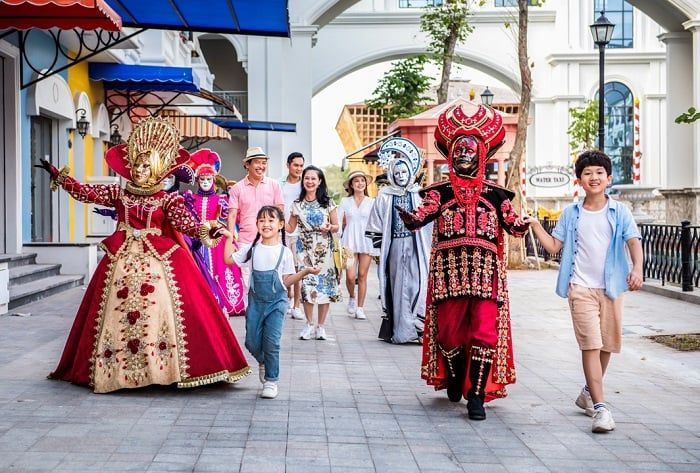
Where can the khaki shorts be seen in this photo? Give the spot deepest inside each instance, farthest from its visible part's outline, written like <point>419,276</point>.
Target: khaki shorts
<point>597,319</point>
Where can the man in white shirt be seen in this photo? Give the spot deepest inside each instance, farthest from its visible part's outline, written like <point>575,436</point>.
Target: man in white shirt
<point>291,189</point>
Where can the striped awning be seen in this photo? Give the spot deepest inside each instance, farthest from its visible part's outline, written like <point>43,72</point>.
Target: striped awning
<point>195,127</point>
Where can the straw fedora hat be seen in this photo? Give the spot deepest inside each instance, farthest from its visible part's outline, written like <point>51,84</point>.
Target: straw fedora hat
<point>254,152</point>
<point>353,175</point>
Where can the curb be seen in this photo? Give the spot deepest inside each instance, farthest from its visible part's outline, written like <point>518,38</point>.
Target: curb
<point>671,291</point>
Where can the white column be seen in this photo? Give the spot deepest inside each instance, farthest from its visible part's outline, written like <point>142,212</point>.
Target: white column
<point>679,85</point>
<point>279,90</point>
<point>694,27</point>
<point>11,176</point>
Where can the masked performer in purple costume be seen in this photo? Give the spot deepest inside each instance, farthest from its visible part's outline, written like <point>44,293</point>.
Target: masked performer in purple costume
<point>208,205</point>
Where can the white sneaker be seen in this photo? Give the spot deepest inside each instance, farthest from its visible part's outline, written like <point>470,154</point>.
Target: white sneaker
<point>306,332</point>
<point>602,421</point>
<point>261,373</point>
<point>320,333</point>
<point>297,314</point>
<point>360,313</point>
<point>352,306</point>
<point>269,390</point>
<point>585,402</point>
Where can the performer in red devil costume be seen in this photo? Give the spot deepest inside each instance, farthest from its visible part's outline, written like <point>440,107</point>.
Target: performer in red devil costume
<point>147,316</point>
<point>467,342</point>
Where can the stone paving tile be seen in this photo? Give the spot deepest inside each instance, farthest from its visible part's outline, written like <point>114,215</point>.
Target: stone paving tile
<point>353,403</point>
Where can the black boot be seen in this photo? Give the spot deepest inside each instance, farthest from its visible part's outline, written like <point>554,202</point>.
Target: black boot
<point>456,365</point>
<point>479,371</point>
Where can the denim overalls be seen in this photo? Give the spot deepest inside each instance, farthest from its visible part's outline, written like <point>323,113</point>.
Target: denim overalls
<point>267,304</point>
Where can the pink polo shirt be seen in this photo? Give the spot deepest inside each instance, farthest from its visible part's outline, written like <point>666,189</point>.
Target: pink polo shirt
<point>248,199</point>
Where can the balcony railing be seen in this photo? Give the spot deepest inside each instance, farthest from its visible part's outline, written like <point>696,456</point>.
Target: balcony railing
<point>239,98</point>
<point>672,254</point>
<point>548,225</point>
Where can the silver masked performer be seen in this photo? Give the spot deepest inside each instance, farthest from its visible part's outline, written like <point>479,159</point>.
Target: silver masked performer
<point>403,262</point>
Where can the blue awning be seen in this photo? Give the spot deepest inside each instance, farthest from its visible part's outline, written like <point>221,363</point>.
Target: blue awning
<point>254,125</point>
<point>249,17</point>
<point>144,78</point>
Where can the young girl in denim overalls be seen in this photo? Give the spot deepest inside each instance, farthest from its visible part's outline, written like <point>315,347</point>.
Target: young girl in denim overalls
<point>272,272</point>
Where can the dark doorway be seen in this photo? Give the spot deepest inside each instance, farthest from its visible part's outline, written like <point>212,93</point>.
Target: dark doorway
<point>41,130</point>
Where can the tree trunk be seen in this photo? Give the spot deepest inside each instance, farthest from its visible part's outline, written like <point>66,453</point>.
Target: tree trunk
<point>450,45</point>
<point>516,251</point>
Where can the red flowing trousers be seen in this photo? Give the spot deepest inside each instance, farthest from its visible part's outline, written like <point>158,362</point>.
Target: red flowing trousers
<point>467,321</point>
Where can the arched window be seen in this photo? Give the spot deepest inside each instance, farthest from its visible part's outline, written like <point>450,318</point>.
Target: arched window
<point>619,130</point>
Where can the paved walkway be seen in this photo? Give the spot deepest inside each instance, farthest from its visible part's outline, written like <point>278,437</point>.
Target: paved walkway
<point>353,403</point>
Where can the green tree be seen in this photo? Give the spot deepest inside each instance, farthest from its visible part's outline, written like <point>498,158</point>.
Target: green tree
<point>583,129</point>
<point>334,180</point>
<point>401,90</point>
<point>690,116</point>
<point>447,25</point>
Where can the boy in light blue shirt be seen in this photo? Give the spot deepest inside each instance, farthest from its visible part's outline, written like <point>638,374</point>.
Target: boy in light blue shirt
<point>593,274</point>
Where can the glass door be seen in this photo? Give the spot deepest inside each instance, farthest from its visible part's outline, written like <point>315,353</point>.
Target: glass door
<point>42,212</point>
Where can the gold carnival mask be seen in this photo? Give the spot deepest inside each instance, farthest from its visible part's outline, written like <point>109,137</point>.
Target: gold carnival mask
<point>152,150</point>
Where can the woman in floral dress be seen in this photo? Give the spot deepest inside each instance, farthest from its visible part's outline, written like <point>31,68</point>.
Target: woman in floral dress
<point>315,215</point>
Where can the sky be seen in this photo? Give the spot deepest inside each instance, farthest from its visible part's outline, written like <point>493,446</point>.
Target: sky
<point>356,87</point>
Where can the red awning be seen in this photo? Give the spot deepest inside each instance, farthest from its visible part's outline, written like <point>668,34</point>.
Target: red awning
<point>64,14</point>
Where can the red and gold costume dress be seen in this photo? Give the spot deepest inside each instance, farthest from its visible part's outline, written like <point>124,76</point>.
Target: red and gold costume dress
<point>148,316</point>
<point>467,341</point>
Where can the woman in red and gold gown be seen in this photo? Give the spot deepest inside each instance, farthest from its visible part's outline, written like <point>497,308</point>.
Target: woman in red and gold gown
<point>148,316</point>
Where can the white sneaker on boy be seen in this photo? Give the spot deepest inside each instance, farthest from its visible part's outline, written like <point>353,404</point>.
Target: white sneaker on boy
<point>584,401</point>
<point>360,314</point>
<point>602,421</point>
<point>269,390</point>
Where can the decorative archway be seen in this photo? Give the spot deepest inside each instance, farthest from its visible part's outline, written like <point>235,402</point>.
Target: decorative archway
<point>464,57</point>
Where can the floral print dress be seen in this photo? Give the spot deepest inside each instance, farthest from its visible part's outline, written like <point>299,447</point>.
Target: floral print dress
<point>316,249</point>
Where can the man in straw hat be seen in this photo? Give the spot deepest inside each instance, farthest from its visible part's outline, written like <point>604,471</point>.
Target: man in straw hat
<point>252,193</point>
<point>248,196</point>
<point>467,346</point>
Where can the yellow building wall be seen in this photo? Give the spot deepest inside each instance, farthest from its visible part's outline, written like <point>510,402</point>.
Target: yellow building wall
<point>79,81</point>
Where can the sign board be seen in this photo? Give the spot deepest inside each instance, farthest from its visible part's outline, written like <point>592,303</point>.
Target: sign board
<point>549,177</point>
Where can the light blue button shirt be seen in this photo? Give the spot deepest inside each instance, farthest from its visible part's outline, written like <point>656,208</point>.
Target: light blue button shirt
<point>617,265</point>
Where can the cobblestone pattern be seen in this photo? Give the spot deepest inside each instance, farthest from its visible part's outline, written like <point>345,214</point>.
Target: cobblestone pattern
<point>353,403</point>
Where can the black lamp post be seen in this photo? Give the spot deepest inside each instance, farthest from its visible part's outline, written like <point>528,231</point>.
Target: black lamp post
<point>82,124</point>
<point>115,138</point>
<point>602,31</point>
<point>487,96</point>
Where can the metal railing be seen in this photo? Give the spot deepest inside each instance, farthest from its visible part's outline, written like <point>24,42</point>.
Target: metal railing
<point>672,254</point>
<point>548,225</point>
<point>239,98</point>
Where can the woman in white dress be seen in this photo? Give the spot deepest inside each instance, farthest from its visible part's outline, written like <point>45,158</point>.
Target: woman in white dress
<point>355,210</point>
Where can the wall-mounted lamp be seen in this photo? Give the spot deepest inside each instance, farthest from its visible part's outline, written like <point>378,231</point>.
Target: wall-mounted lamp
<point>115,138</point>
<point>487,96</point>
<point>82,124</point>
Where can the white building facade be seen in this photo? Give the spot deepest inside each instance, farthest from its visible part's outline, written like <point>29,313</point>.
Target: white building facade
<point>656,65</point>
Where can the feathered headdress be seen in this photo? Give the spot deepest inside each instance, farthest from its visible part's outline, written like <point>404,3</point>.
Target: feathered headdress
<point>156,138</point>
<point>206,162</point>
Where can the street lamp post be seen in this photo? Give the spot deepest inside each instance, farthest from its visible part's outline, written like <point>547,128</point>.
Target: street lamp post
<point>602,31</point>
<point>487,96</point>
